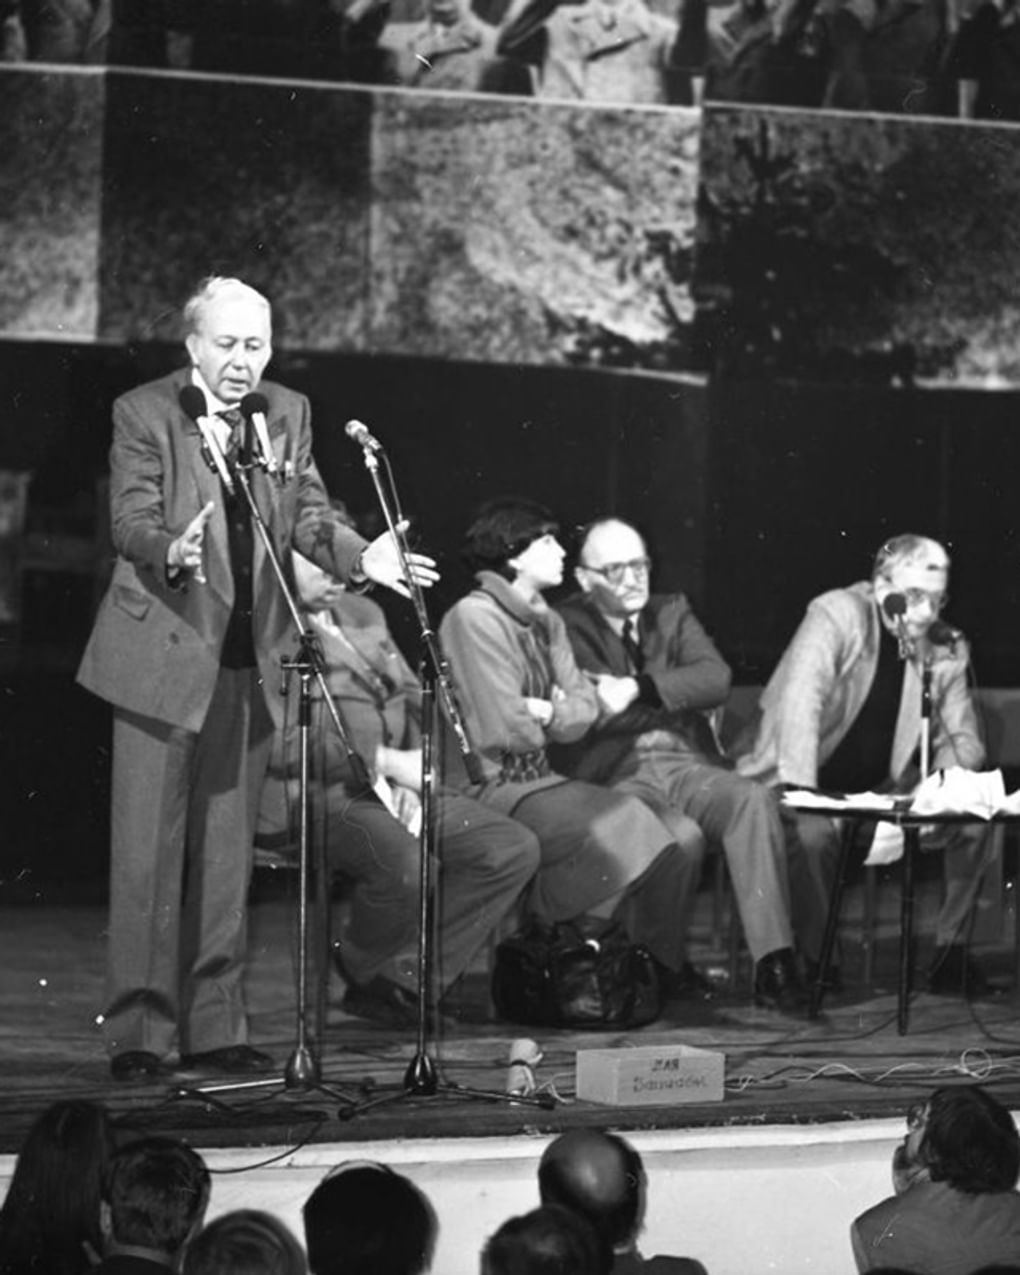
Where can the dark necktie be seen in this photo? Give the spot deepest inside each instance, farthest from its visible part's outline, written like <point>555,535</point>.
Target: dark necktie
<point>631,644</point>
<point>233,417</point>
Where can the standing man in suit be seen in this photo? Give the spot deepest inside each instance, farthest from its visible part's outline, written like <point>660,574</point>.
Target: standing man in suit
<point>842,711</point>
<point>186,647</point>
<point>656,673</point>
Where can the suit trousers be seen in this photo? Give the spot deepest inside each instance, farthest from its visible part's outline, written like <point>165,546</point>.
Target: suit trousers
<point>600,846</point>
<point>484,862</point>
<point>184,806</point>
<point>738,814</point>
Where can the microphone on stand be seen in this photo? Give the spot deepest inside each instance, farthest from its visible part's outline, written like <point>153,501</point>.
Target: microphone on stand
<point>941,633</point>
<point>359,433</point>
<point>193,405</point>
<point>253,408</point>
<point>895,607</point>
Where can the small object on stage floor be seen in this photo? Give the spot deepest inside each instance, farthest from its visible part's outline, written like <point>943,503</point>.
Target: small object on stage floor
<point>650,1075</point>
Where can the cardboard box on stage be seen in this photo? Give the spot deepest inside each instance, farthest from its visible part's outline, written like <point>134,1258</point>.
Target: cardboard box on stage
<point>650,1075</point>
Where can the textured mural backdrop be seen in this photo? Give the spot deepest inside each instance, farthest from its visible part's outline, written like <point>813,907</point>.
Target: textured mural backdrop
<point>519,231</point>
<point>51,134</point>
<point>840,247</point>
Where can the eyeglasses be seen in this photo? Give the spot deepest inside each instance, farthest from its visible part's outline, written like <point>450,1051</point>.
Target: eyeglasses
<point>920,597</point>
<point>615,572</point>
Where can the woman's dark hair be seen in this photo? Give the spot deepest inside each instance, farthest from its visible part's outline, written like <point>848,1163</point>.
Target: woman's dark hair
<point>52,1207</point>
<point>501,529</point>
<point>970,1141</point>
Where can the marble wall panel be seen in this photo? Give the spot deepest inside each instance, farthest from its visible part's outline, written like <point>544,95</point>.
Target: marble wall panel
<point>868,248</point>
<point>521,231</point>
<point>50,182</point>
<point>266,180</point>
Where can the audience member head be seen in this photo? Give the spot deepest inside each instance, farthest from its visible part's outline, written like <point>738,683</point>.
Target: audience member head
<point>229,336</point>
<point>51,1212</point>
<point>365,1219</point>
<point>547,1241</point>
<point>516,538</point>
<point>964,1137</point>
<point>913,572</point>
<point>598,1175</point>
<point>613,567</point>
<point>244,1242</point>
<point>155,1196</point>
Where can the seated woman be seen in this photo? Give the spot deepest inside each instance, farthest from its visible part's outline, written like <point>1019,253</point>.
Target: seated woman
<point>602,854</point>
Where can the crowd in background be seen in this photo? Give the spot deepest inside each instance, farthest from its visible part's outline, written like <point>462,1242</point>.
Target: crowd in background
<point>86,1200</point>
<point>941,57</point>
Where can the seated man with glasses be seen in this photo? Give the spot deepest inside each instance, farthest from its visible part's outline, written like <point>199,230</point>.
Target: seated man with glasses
<point>842,712</point>
<point>657,675</point>
<point>956,1209</point>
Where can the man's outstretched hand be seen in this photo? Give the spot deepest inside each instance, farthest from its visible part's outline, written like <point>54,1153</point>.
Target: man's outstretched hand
<point>381,562</point>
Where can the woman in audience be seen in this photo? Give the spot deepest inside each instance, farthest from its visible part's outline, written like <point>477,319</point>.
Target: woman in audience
<point>245,1242</point>
<point>49,1223</point>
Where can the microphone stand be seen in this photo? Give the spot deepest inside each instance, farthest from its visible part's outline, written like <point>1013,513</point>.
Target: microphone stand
<point>422,1077</point>
<point>302,1070</point>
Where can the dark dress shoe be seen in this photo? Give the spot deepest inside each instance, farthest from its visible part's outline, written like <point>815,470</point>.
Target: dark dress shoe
<point>777,984</point>
<point>231,1060</point>
<point>685,984</point>
<point>953,973</point>
<point>134,1065</point>
<point>382,1002</point>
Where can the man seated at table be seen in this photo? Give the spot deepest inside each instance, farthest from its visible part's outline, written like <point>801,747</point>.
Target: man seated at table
<point>485,859</point>
<point>842,712</point>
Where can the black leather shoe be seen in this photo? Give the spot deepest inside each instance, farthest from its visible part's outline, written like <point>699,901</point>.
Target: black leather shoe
<point>382,1002</point>
<point>231,1060</point>
<point>686,984</point>
<point>134,1066</point>
<point>952,972</point>
<point>777,984</point>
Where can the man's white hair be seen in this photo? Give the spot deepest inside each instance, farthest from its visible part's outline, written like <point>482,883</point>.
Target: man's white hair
<point>909,549</point>
<point>208,291</point>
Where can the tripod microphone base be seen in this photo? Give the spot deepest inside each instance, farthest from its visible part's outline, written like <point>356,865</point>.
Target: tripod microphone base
<point>302,1070</point>
<point>421,1076</point>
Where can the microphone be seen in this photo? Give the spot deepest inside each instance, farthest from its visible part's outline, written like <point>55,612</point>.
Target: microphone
<point>253,408</point>
<point>941,633</point>
<point>359,433</point>
<point>192,402</point>
<point>895,607</point>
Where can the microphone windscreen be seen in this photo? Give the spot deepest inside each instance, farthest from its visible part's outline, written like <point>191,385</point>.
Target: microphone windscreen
<point>894,605</point>
<point>192,401</point>
<point>942,634</point>
<point>254,402</point>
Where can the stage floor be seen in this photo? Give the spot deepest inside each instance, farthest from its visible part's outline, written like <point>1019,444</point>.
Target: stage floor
<point>849,1064</point>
